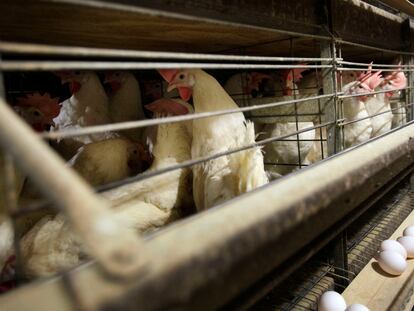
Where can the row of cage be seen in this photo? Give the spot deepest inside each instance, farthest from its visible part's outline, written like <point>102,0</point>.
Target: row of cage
<point>303,109</point>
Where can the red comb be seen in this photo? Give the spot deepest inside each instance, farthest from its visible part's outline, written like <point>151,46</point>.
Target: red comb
<point>374,80</point>
<point>398,79</point>
<point>168,74</point>
<point>294,74</point>
<point>365,74</point>
<point>167,106</point>
<point>48,106</point>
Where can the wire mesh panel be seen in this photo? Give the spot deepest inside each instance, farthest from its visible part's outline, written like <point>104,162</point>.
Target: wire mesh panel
<point>285,98</point>
<point>152,132</point>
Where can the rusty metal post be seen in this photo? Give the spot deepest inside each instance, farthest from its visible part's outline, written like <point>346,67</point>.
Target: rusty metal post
<point>334,142</point>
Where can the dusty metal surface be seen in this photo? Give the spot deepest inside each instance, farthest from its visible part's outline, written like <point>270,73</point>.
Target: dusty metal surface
<point>367,26</point>
<point>244,27</point>
<point>301,16</point>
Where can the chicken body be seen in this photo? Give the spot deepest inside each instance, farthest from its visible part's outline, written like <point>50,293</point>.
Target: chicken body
<point>285,152</point>
<point>86,107</point>
<point>51,245</point>
<point>354,109</point>
<point>125,101</point>
<point>379,108</point>
<point>399,114</point>
<point>223,178</point>
<point>38,111</point>
<point>109,160</point>
<point>171,146</point>
<point>289,154</point>
<point>319,149</point>
<point>381,103</point>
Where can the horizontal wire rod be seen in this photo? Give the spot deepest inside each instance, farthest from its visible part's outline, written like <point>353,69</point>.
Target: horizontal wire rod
<point>201,160</point>
<point>371,116</point>
<point>143,123</point>
<point>342,62</point>
<point>373,93</point>
<point>402,68</point>
<point>40,49</point>
<point>36,65</point>
<point>146,175</point>
<point>340,41</point>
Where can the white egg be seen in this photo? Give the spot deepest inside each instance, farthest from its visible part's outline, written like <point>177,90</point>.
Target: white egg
<point>392,262</point>
<point>408,243</point>
<point>409,231</point>
<point>356,307</point>
<point>331,301</point>
<point>394,246</point>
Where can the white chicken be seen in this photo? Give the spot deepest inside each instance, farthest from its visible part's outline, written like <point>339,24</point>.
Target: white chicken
<point>245,85</point>
<point>221,179</point>
<point>87,106</point>
<point>109,160</point>
<point>159,199</point>
<point>379,107</point>
<point>354,109</point>
<point>284,156</point>
<point>51,246</point>
<point>125,101</point>
<point>311,84</point>
<point>38,111</point>
<point>399,112</point>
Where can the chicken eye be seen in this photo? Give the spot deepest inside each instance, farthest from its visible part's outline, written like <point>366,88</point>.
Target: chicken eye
<point>36,113</point>
<point>181,76</point>
<point>352,75</point>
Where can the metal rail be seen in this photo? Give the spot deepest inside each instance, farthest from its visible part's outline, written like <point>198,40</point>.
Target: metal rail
<point>48,50</point>
<point>143,123</point>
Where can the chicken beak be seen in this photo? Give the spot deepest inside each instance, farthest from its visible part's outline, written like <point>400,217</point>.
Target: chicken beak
<point>171,87</point>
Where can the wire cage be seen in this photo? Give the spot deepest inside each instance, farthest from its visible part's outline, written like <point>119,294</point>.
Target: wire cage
<point>304,107</point>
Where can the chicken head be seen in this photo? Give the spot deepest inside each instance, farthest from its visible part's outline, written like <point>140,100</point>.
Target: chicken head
<point>396,80</point>
<point>139,159</point>
<point>115,79</point>
<point>366,82</point>
<point>166,106</point>
<point>182,80</point>
<point>288,79</point>
<point>38,110</point>
<point>75,78</point>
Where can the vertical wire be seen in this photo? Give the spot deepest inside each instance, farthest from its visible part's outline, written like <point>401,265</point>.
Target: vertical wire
<point>296,106</point>
<point>318,86</point>
<point>338,110</point>
<point>411,83</point>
